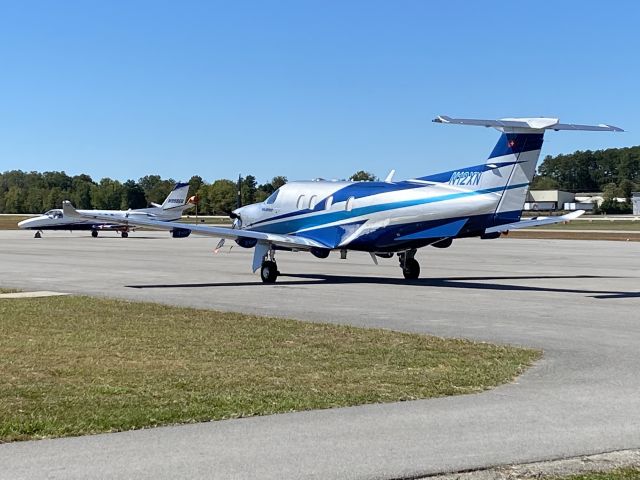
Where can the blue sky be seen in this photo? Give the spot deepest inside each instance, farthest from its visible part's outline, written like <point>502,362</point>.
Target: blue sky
<point>305,89</point>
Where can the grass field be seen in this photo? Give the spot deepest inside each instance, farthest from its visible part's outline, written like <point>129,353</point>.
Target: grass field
<point>574,235</point>
<point>79,365</point>
<point>624,474</point>
<point>10,222</point>
<point>627,225</point>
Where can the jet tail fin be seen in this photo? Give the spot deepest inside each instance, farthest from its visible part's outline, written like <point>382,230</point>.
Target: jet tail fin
<point>177,197</point>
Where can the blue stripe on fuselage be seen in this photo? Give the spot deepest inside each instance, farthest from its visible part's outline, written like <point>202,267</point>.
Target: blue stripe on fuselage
<point>296,224</point>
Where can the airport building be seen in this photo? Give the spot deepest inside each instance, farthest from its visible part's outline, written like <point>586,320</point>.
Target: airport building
<point>552,200</point>
<point>635,199</point>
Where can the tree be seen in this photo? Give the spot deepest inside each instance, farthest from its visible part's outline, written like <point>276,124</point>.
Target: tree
<point>156,189</point>
<point>132,196</point>
<point>13,200</point>
<point>81,191</point>
<point>220,198</point>
<point>195,183</point>
<point>107,195</point>
<point>249,188</point>
<point>544,183</point>
<point>362,176</point>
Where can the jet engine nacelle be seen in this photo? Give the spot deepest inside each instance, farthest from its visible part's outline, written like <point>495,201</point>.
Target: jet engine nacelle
<point>246,242</point>
<point>490,236</point>
<point>180,232</point>
<point>320,252</point>
<point>446,243</point>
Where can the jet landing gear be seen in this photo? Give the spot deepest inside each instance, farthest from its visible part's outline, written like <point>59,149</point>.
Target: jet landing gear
<point>124,234</point>
<point>410,266</point>
<point>38,234</point>
<point>269,269</point>
<point>94,233</point>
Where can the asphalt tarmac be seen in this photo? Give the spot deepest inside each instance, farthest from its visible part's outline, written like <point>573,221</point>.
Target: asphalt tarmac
<point>579,301</point>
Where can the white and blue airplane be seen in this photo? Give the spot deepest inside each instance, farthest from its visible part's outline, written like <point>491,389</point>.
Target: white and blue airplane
<point>394,217</point>
<point>171,209</point>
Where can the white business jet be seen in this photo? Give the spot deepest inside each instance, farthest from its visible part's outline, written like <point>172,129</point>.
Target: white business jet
<point>171,209</point>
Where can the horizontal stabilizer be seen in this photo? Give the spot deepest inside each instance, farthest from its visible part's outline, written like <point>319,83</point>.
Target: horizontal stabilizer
<point>534,123</point>
<point>535,222</point>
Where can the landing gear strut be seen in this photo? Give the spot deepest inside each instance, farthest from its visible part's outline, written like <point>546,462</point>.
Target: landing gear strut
<point>410,266</point>
<point>269,269</point>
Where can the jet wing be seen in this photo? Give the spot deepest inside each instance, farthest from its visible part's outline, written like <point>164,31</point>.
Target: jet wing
<point>535,222</point>
<point>290,241</point>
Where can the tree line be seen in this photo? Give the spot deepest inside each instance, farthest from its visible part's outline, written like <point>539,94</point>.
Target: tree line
<point>615,172</point>
<point>35,192</point>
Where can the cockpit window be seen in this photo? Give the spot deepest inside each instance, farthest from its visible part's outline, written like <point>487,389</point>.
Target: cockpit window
<point>272,198</point>
<point>54,214</point>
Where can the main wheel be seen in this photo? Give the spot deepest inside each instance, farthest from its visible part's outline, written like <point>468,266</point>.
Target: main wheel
<point>269,271</point>
<point>94,233</point>
<point>411,269</point>
<point>38,234</point>
<point>124,234</point>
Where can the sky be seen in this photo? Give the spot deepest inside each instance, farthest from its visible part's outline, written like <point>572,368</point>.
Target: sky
<point>304,88</point>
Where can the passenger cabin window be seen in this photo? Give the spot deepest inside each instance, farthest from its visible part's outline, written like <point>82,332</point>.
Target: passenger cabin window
<point>349,206</point>
<point>328,203</point>
<point>272,198</point>
<point>312,201</point>
<point>300,202</point>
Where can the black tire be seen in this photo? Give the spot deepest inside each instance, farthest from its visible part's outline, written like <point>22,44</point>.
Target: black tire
<point>269,272</point>
<point>37,235</point>
<point>411,269</point>
<point>125,234</point>
<point>94,233</point>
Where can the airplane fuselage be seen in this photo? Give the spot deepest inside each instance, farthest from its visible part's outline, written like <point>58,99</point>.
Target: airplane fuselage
<point>372,216</point>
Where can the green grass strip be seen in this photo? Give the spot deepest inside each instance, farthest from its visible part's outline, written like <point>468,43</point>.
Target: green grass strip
<point>80,365</point>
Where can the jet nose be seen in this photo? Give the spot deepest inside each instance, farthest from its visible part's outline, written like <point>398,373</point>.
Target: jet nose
<point>25,223</point>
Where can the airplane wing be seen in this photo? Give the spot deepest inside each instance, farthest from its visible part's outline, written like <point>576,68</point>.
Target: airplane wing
<point>535,222</point>
<point>290,241</point>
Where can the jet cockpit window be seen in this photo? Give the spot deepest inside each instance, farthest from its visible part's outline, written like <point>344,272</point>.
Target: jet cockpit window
<point>300,202</point>
<point>54,214</point>
<point>272,198</point>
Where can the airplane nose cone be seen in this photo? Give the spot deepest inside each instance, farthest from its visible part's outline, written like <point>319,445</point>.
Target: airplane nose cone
<point>25,223</point>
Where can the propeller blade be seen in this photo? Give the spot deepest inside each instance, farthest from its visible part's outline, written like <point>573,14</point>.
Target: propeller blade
<point>219,246</point>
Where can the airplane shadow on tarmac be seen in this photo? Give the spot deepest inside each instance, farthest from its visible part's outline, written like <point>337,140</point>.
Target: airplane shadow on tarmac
<point>478,283</point>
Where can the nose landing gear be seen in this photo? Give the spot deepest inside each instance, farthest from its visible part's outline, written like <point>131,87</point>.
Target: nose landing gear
<point>410,266</point>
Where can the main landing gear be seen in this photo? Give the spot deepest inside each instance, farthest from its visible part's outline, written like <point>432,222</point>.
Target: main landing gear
<point>38,234</point>
<point>269,269</point>
<point>124,234</point>
<point>410,266</point>
<point>94,233</point>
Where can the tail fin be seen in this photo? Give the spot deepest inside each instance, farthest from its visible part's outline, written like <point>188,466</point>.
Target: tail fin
<point>177,197</point>
<point>512,163</point>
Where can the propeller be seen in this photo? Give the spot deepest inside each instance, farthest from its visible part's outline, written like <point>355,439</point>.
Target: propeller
<point>237,221</point>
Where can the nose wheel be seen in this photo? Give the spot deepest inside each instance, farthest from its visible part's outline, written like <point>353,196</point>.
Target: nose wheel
<point>269,271</point>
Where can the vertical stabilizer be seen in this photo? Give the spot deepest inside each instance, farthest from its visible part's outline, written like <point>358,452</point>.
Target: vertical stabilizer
<point>177,197</point>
